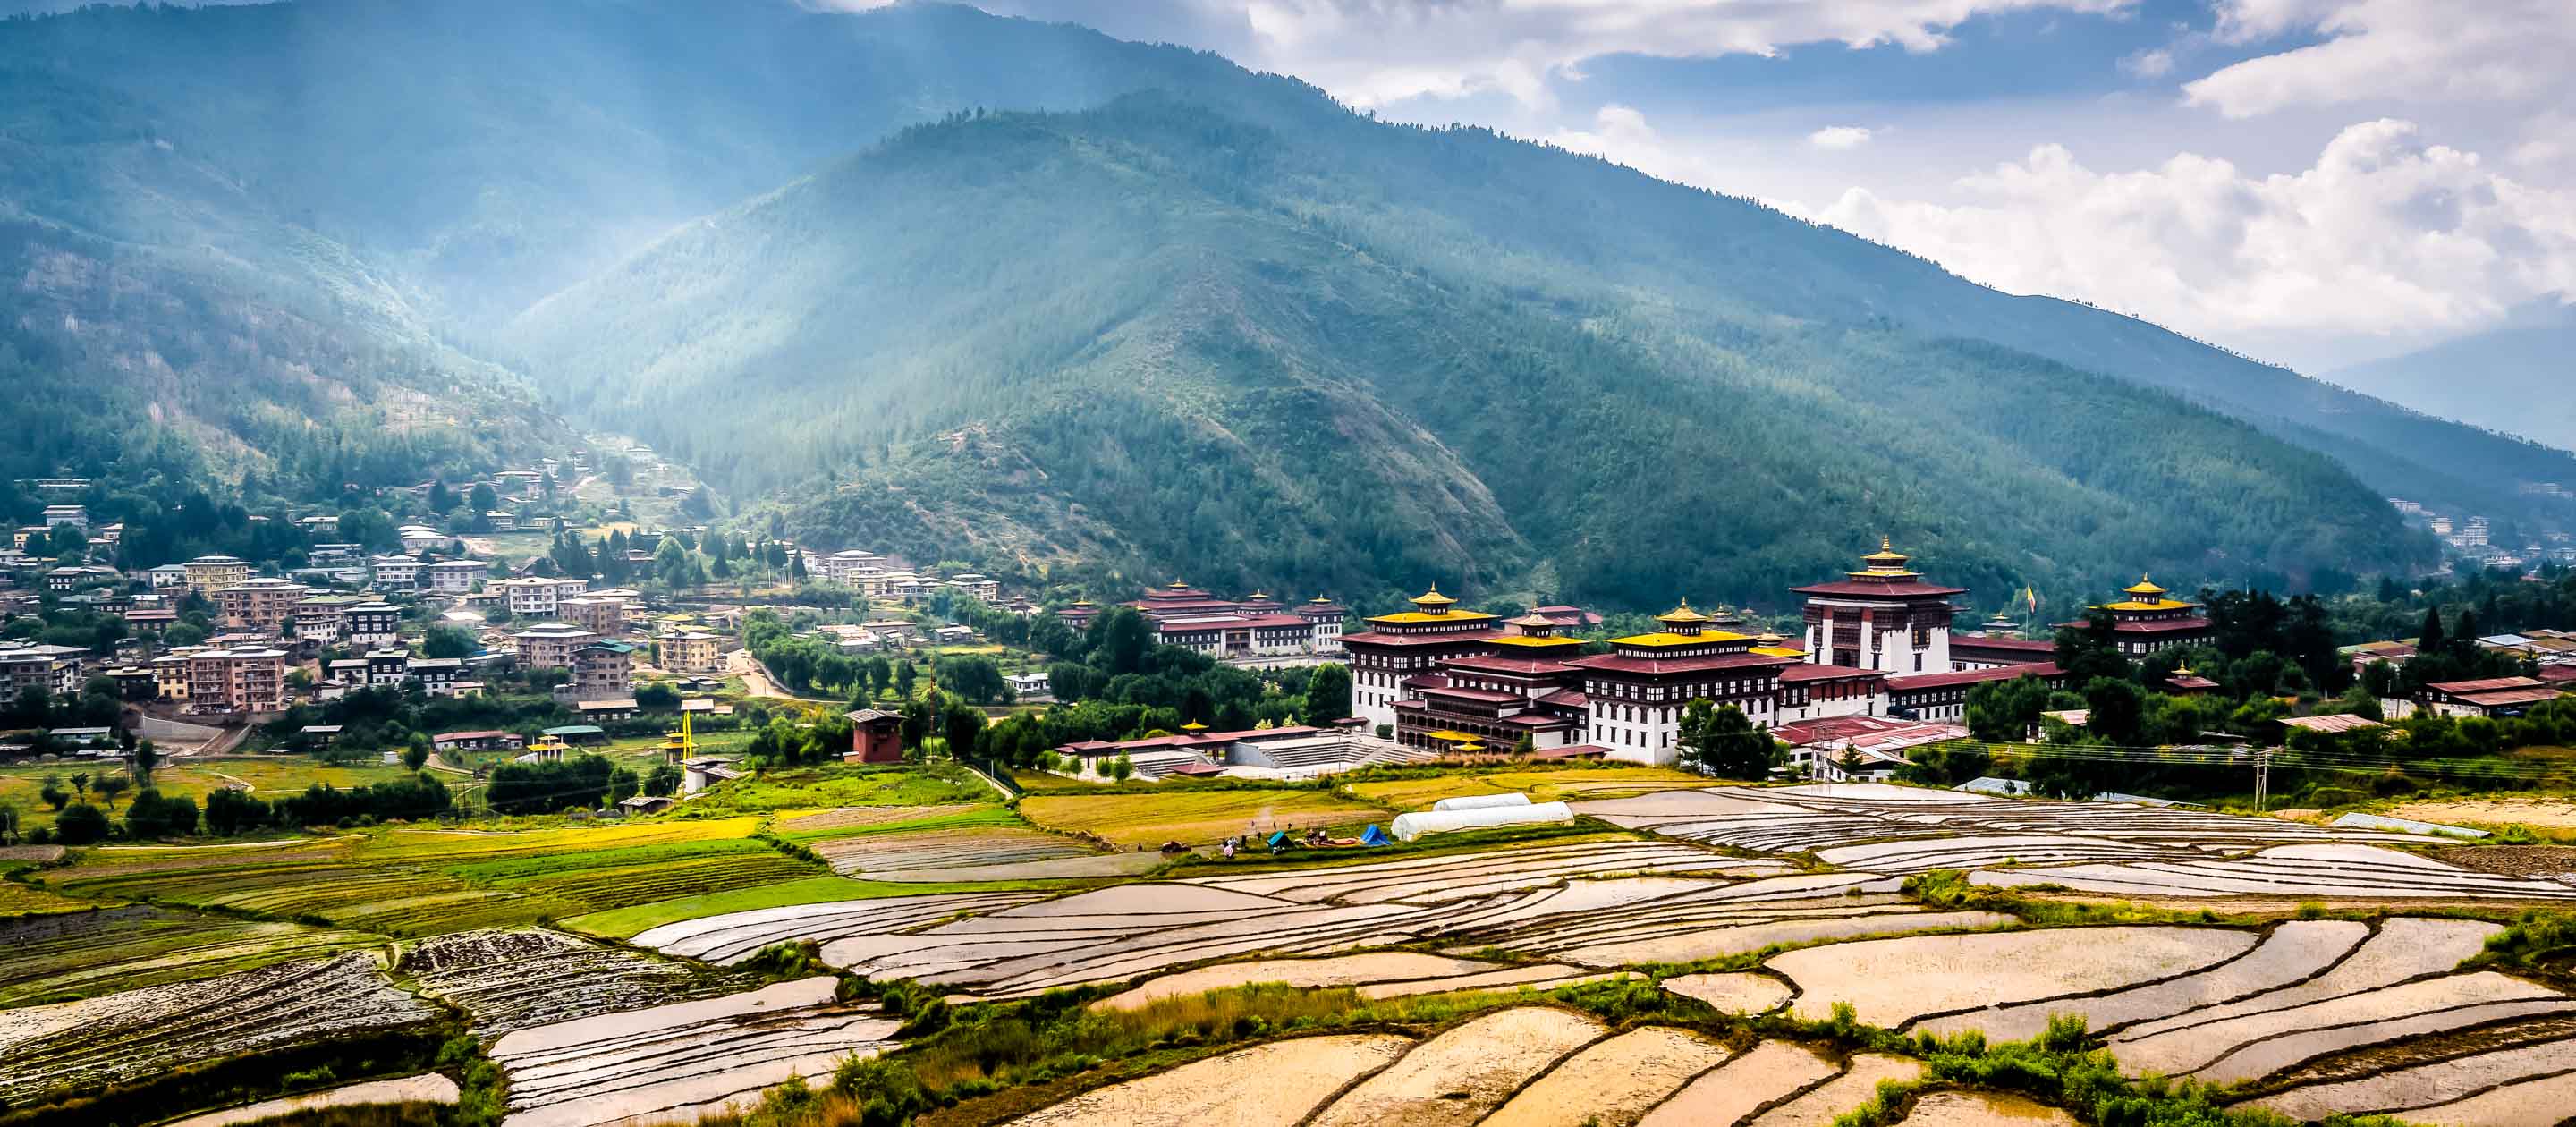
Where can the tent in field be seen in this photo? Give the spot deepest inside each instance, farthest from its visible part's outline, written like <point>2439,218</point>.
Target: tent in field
<point>1411,826</point>
<point>1373,835</point>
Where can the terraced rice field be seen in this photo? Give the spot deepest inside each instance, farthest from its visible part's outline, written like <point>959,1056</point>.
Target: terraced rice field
<point>394,900</point>
<point>802,825</point>
<point>881,855</point>
<point>137,1033</point>
<point>674,1062</point>
<point>57,958</point>
<point>1514,1067</point>
<point>1148,819</point>
<point>506,981</point>
<point>598,880</point>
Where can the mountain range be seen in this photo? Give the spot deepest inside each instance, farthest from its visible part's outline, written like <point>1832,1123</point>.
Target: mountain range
<point>2518,377</point>
<point>930,281</point>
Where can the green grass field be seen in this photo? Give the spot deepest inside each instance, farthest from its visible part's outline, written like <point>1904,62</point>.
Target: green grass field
<point>1150,818</point>
<point>811,788</point>
<point>269,776</point>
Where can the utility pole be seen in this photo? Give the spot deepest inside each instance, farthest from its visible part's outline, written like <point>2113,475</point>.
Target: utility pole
<point>2262,777</point>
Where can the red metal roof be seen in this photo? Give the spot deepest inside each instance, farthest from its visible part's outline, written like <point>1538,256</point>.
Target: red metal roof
<point>1805,672</point>
<point>1571,751</point>
<point>2482,685</point>
<point>1674,666</point>
<point>1866,732</point>
<point>2161,626</point>
<point>2504,697</point>
<point>1519,666</point>
<point>1917,682</point>
<point>2016,645</point>
<point>1487,696</point>
<point>1564,698</point>
<point>1865,590</point>
<point>1454,637</point>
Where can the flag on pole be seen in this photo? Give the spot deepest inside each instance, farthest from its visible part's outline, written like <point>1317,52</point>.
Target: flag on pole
<point>2030,595</point>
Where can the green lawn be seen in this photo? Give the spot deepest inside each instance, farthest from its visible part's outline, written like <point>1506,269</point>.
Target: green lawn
<point>269,776</point>
<point>811,788</point>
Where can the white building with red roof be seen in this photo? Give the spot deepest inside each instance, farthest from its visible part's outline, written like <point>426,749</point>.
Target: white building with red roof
<point>1882,617</point>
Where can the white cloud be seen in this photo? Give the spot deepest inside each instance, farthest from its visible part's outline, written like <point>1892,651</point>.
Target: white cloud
<point>1621,133</point>
<point>2155,63</point>
<point>1839,137</point>
<point>1372,52</point>
<point>2484,51</point>
<point>2384,237</point>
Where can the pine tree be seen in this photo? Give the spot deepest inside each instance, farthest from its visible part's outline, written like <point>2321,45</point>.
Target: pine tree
<point>2431,639</point>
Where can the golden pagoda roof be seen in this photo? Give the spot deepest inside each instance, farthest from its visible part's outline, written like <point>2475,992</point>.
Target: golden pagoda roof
<point>1472,745</point>
<point>1682,613</point>
<point>2144,590</point>
<point>1777,651</point>
<point>1176,585</point>
<point>1665,638</point>
<point>1433,598</point>
<point>1194,726</point>
<point>1885,563</point>
<point>1533,621</point>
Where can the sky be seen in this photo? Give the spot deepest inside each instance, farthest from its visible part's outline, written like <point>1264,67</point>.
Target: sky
<point>2316,182</point>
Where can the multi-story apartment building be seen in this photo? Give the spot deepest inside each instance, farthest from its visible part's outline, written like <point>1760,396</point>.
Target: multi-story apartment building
<point>394,573</point>
<point>248,679</point>
<point>58,670</point>
<point>372,625</point>
<point>603,671</point>
<point>691,650</point>
<point>455,577</point>
<point>263,605</point>
<point>209,574</point>
<point>551,645</point>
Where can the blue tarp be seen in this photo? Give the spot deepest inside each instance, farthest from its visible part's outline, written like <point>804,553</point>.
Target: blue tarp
<point>1373,835</point>
<point>1278,839</point>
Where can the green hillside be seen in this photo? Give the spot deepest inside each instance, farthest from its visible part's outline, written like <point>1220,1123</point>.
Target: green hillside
<point>165,330</point>
<point>1157,336</point>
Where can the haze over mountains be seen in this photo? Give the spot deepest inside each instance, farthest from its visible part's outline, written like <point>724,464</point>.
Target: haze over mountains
<point>939,283</point>
<point>2518,377</point>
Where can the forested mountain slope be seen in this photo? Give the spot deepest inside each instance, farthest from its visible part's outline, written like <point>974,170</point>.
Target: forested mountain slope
<point>1165,336</point>
<point>496,150</point>
<point>2518,377</point>
<point>1250,333</point>
<point>163,328</point>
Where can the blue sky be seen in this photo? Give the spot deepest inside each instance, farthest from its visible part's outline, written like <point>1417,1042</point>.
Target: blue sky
<point>2315,181</point>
